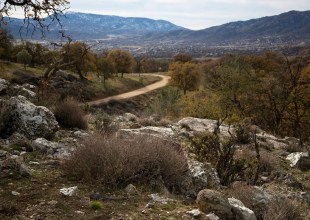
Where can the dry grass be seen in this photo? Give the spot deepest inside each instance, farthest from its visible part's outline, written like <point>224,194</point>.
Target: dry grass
<point>69,114</point>
<point>117,162</point>
<point>283,209</point>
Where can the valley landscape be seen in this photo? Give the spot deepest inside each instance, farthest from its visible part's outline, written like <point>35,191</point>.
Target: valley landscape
<point>122,117</point>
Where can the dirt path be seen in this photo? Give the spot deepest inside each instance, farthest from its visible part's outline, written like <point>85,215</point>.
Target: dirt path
<point>163,82</point>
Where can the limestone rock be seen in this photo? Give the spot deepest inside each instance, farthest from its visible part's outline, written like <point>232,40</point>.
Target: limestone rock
<point>197,125</point>
<point>240,210</point>
<point>195,213</point>
<point>3,86</point>
<point>161,132</point>
<point>20,115</point>
<point>211,201</point>
<point>300,160</point>
<point>131,190</point>
<point>45,146</point>
<point>199,177</point>
<point>69,191</point>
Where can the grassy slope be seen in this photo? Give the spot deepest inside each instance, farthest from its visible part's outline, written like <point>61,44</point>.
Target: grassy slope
<point>116,85</point>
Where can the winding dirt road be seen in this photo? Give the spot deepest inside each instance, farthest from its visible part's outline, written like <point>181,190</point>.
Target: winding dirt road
<point>163,82</point>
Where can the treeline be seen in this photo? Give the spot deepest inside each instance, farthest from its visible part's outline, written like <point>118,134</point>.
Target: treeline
<point>77,57</point>
<point>271,91</point>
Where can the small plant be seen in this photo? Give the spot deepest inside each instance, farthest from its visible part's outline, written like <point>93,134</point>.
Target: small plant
<point>69,114</point>
<point>102,121</point>
<point>96,205</point>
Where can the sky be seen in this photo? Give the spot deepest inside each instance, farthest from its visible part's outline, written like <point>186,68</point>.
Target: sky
<point>192,14</point>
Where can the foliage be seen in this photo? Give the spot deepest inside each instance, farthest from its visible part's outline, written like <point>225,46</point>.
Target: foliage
<point>182,58</point>
<point>105,68</point>
<point>117,162</point>
<point>271,90</point>
<point>185,76</point>
<point>220,153</point>
<point>79,58</point>
<point>122,60</point>
<point>96,205</point>
<point>69,114</point>
<point>165,102</point>
<point>24,57</point>
<point>34,10</point>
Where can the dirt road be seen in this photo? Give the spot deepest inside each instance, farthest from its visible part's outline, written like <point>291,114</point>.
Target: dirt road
<point>163,82</point>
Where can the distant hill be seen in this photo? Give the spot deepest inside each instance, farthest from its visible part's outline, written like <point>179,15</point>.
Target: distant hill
<point>163,39</point>
<point>286,27</point>
<point>83,26</point>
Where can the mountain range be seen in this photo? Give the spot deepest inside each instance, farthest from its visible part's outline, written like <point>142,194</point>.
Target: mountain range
<point>291,28</point>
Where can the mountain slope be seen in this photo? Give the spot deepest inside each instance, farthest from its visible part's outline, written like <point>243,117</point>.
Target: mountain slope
<point>287,26</point>
<point>82,26</point>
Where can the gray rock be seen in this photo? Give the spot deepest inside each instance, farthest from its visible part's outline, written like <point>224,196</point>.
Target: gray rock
<point>199,177</point>
<point>161,132</point>
<point>300,160</point>
<point>211,201</point>
<point>195,213</point>
<point>20,115</point>
<point>240,210</point>
<point>69,191</point>
<point>212,216</point>
<point>14,165</point>
<point>3,86</point>
<point>163,200</point>
<point>131,190</point>
<point>197,125</point>
<point>45,146</point>
<point>14,193</point>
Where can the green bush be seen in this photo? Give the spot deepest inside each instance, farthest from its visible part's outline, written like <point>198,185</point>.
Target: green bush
<point>96,205</point>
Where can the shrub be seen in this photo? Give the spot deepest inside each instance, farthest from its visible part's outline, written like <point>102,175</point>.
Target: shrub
<point>69,114</point>
<point>102,122</point>
<point>220,153</point>
<point>117,162</point>
<point>283,209</point>
<point>96,205</point>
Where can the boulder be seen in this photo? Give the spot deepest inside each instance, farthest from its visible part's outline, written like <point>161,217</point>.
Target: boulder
<point>14,166</point>
<point>20,90</point>
<point>200,176</point>
<point>240,210</point>
<point>300,160</point>
<point>197,125</point>
<point>19,115</point>
<point>45,146</point>
<point>211,201</point>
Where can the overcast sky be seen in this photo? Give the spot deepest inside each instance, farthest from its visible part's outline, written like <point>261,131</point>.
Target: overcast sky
<point>193,14</point>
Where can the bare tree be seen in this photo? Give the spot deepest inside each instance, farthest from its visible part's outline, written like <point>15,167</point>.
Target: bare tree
<point>34,10</point>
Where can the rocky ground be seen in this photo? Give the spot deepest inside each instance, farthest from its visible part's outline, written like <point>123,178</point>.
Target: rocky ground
<point>33,185</point>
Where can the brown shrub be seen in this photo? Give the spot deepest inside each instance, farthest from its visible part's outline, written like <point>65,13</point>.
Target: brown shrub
<point>246,194</point>
<point>283,209</point>
<point>116,162</point>
<point>69,114</point>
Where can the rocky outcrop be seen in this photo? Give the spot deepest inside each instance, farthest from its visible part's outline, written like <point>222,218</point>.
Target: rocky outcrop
<point>19,115</point>
<point>160,132</point>
<point>300,160</point>
<point>198,125</point>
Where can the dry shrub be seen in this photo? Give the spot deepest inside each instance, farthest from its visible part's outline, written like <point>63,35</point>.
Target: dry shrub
<point>283,209</point>
<point>246,194</point>
<point>268,162</point>
<point>116,162</point>
<point>69,114</point>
